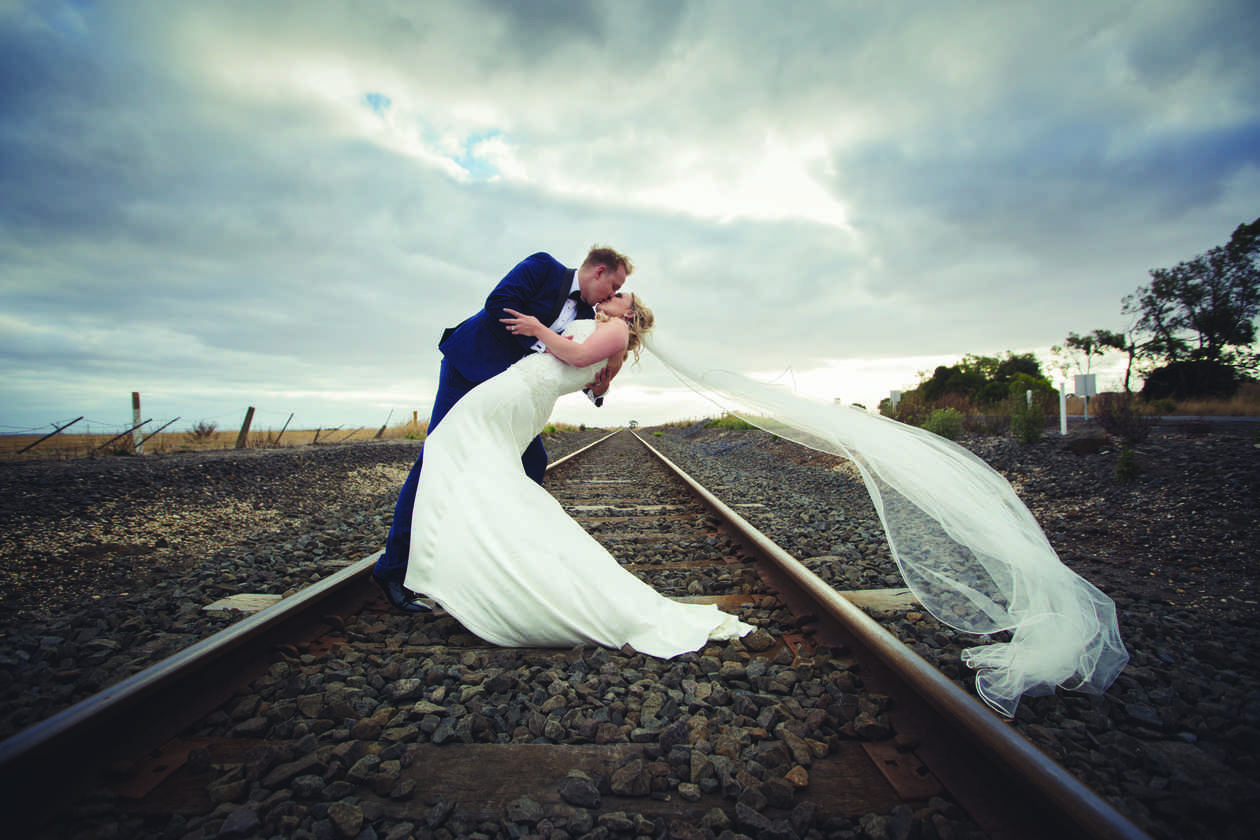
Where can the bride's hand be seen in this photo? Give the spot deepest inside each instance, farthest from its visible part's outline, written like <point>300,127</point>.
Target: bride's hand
<point>518,324</point>
<point>599,385</point>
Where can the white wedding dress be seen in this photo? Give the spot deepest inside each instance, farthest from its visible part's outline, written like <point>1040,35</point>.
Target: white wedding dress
<point>500,554</point>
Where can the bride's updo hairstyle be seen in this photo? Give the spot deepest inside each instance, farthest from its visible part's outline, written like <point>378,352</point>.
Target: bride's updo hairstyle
<point>640,319</point>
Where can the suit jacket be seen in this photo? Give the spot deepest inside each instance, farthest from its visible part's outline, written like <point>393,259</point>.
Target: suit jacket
<point>481,347</point>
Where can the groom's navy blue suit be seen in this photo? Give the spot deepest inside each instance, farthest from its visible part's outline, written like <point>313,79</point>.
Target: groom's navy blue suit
<point>476,350</point>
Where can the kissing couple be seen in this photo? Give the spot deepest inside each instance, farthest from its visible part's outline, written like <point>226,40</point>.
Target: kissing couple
<point>474,530</point>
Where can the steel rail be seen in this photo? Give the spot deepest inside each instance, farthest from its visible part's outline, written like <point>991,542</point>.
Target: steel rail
<point>1066,799</point>
<point>42,757</point>
<point>39,758</point>
<point>578,452</point>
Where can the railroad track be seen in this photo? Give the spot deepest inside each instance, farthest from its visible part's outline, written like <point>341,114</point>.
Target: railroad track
<point>328,713</point>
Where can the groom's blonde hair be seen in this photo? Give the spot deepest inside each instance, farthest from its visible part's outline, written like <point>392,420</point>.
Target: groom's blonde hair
<point>605,256</point>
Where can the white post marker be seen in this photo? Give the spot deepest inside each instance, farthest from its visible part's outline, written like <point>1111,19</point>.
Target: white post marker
<point>137,437</point>
<point>1063,408</point>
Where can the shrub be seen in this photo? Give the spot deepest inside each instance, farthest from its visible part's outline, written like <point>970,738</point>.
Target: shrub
<point>1191,380</point>
<point>946,422</point>
<point>914,410</point>
<point>1124,417</point>
<point>201,430</point>
<point>730,421</point>
<point>961,403</point>
<point>559,429</point>
<point>1028,422</point>
<point>1127,467</point>
<point>911,410</point>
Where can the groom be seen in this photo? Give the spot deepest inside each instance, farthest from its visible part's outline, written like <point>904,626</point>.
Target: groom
<point>480,348</point>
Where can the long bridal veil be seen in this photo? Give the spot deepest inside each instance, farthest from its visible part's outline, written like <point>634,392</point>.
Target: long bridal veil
<point>967,547</point>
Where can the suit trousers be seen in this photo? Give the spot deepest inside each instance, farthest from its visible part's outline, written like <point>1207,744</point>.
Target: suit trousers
<point>452,386</point>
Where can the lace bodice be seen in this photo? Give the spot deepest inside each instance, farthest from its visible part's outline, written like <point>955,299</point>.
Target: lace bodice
<point>548,377</point>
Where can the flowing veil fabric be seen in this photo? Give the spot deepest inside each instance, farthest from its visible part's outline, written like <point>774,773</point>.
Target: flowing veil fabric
<point>965,544</point>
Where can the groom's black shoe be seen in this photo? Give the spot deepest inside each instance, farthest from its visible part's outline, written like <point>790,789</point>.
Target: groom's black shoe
<point>400,597</point>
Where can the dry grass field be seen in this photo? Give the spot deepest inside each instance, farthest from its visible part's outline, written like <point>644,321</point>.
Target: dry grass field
<point>67,446</point>
<point>198,437</point>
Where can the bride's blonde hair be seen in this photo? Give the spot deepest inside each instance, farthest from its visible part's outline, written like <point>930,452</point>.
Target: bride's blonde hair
<point>639,319</point>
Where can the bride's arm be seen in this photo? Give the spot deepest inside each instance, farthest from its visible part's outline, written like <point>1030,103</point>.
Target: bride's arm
<point>603,379</point>
<point>608,341</point>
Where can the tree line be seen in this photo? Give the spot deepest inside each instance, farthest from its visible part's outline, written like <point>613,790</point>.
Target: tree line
<point>1191,335</point>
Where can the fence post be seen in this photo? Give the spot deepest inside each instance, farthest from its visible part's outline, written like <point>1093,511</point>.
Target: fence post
<point>286,425</point>
<point>244,435</point>
<point>137,438</point>
<point>163,426</point>
<point>330,431</point>
<point>130,431</point>
<point>50,434</point>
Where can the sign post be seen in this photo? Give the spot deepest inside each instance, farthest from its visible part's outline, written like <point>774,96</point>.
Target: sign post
<point>1084,387</point>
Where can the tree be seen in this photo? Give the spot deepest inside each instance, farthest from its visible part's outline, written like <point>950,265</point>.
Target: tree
<point>1079,351</point>
<point>1125,343</point>
<point>1204,309</point>
<point>1097,343</point>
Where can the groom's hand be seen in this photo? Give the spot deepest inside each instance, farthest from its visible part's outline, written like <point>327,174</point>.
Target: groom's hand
<point>519,324</point>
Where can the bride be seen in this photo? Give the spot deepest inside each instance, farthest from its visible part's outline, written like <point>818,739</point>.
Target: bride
<point>498,552</point>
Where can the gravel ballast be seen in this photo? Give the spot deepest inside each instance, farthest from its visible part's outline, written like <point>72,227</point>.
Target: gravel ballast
<point>106,564</point>
<point>1173,744</point>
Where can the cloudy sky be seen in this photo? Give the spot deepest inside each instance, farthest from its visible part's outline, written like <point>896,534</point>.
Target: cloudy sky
<point>281,204</point>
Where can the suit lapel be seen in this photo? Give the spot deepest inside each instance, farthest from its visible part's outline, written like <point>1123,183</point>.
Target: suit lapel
<point>565,284</point>
<point>584,309</point>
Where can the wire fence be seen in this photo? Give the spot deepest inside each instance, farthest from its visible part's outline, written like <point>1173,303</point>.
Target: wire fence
<point>81,437</point>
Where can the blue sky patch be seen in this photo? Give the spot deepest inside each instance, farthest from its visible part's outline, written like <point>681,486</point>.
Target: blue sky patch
<point>478,168</point>
<point>378,102</point>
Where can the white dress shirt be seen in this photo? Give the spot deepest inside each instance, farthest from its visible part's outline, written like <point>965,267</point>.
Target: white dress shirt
<point>568,313</point>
